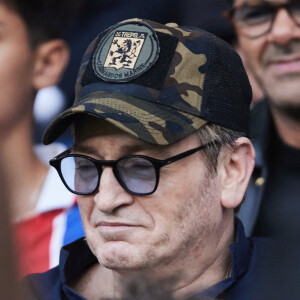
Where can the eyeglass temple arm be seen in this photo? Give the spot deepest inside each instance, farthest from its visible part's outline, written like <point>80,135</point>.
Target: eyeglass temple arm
<point>187,153</point>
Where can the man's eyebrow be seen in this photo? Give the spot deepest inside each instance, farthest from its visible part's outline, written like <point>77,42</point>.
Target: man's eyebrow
<point>157,150</point>
<point>83,148</point>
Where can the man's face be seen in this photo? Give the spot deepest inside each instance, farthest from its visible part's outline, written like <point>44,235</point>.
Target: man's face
<point>180,222</point>
<point>16,61</point>
<point>275,58</point>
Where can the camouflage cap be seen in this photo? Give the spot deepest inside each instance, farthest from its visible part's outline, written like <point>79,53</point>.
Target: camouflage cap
<point>159,83</point>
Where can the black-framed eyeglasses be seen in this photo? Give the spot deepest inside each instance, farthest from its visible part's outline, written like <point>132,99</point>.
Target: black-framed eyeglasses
<point>255,18</point>
<point>137,174</point>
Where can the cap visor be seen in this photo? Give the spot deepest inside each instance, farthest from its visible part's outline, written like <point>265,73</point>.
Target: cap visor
<point>151,122</point>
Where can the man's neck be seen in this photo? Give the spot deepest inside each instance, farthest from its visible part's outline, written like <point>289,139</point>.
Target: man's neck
<point>181,281</point>
<point>24,172</point>
<point>288,128</point>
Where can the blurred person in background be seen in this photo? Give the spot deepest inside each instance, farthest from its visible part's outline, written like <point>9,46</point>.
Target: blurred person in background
<point>9,288</point>
<point>268,36</point>
<point>207,14</point>
<point>33,55</point>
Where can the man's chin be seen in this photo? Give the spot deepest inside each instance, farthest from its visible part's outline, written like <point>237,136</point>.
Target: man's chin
<point>290,109</point>
<point>120,256</point>
<point>283,94</point>
<point>120,264</point>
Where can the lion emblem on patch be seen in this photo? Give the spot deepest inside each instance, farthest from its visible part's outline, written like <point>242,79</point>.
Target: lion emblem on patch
<point>125,49</point>
<point>126,52</point>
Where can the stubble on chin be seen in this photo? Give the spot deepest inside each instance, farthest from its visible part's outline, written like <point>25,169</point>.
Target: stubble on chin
<point>288,109</point>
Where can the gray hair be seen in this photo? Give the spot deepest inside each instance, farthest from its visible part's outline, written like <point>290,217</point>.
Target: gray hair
<point>219,137</point>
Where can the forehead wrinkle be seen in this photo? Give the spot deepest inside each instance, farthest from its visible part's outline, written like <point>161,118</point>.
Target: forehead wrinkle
<point>79,147</point>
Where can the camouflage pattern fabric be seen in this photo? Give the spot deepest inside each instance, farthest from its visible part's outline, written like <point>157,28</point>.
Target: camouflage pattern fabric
<point>160,116</point>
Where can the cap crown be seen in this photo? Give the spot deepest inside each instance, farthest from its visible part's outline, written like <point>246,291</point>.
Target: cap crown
<point>161,82</point>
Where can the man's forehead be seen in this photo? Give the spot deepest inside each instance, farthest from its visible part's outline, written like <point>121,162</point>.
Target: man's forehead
<point>90,130</point>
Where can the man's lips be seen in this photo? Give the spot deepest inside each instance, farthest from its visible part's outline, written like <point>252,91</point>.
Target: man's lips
<point>285,65</point>
<point>114,226</point>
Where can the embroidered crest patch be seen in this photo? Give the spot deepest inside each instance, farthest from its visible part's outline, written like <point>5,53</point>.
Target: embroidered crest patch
<point>126,52</point>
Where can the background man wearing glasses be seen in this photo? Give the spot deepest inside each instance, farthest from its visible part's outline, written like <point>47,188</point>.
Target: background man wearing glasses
<point>159,163</point>
<point>268,33</point>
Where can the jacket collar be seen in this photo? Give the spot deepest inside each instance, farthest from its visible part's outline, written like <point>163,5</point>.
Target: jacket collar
<point>261,131</point>
<point>77,257</point>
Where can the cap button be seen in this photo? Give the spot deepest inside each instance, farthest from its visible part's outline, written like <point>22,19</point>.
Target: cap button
<point>173,25</point>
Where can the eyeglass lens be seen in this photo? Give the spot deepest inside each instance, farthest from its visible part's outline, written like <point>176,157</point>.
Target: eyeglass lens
<point>138,174</point>
<point>81,175</point>
<point>255,18</point>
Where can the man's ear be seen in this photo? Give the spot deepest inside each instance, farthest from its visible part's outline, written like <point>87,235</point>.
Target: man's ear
<point>51,59</point>
<point>235,169</point>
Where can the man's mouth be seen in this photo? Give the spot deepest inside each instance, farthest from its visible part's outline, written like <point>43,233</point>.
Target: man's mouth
<point>114,226</point>
<point>285,65</point>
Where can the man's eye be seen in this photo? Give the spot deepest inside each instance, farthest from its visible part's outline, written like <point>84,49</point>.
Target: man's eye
<point>142,166</point>
<point>253,14</point>
<point>84,167</point>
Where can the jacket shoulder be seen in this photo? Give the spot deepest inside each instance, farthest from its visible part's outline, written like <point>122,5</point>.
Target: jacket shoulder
<point>259,119</point>
<point>44,286</point>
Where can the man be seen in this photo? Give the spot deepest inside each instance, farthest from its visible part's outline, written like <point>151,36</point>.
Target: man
<point>33,55</point>
<point>164,125</point>
<point>268,35</point>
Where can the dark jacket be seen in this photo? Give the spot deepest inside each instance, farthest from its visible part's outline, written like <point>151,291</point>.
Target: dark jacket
<point>250,272</point>
<point>261,132</point>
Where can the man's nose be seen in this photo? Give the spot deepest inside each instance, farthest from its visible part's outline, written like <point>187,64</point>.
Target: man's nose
<point>284,28</point>
<point>111,195</point>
